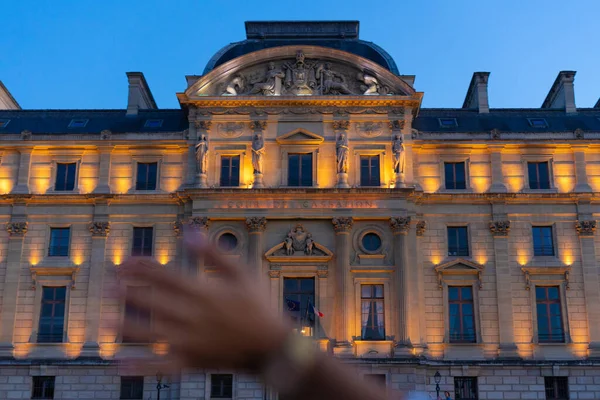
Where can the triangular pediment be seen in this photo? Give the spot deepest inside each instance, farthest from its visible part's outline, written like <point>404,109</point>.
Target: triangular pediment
<point>459,266</point>
<point>300,137</point>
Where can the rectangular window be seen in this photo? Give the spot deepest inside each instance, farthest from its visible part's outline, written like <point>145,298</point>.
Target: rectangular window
<point>375,379</point>
<point>557,387</point>
<point>153,123</point>
<point>537,122</point>
<point>134,316</point>
<point>230,171</point>
<point>299,299</point>
<point>59,242</point>
<point>539,177</point>
<point>549,314</point>
<point>132,387</point>
<point>372,314</point>
<point>78,123</point>
<point>300,169</point>
<point>458,241</point>
<point>543,243</point>
<point>461,314</point>
<point>52,315</point>
<point>455,175</point>
<point>448,122</point>
<point>465,388</point>
<point>42,387</point>
<point>369,171</point>
<point>4,123</point>
<point>65,176</point>
<point>142,242</point>
<point>221,386</point>
<point>146,176</point>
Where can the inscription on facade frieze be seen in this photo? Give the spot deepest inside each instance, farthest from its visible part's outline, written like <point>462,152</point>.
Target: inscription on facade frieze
<point>306,204</point>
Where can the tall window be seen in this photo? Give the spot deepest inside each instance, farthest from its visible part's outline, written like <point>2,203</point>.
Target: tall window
<point>42,387</point>
<point>65,177</point>
<point>372,314</point>
<point>59,242</point>
<point>132,387</point>
<point>543,244</point>
<point>557,387</point>
<point>455,175</point>
<point>221,386</point>
<point>539,178</point>
<point>462,314</point>
<point>549,315</point>
<point>230,171</point>
<point>142,242</point>
<point>52,315</point>
<point>458,241</point>
<point>369,171</point>
<point>134,316</point>
<point>146,176</point>
<point>465,388</point>
<point>300,169</point>
<point>299,299</point>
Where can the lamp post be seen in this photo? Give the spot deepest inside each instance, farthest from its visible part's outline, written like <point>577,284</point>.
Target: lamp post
<point>437,378</point>
<point>159,385</point>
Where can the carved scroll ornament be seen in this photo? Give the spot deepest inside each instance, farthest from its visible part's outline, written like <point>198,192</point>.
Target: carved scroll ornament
<point>16,228</point>
<point>585,228</point>
<point>342,224</point>
<point>500,228</point>
<point>400,224</point>
<point>101,228</point>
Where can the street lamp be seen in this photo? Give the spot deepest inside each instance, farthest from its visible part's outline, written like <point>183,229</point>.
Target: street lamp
<point>159,385</point>
<point>437,378</point>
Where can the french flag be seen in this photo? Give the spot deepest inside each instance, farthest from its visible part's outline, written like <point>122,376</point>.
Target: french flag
<point>317,312</point>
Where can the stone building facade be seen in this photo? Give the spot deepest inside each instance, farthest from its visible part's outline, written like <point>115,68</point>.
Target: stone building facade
<point>458,241</point>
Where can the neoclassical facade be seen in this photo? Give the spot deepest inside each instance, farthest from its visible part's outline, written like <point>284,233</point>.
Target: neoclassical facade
<point>451,246</point>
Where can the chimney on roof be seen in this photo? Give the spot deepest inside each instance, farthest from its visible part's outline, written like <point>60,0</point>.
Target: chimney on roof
<point>562,93</point>
<point>7,102</point>
<point>477,95</point>
<point>140,97</point>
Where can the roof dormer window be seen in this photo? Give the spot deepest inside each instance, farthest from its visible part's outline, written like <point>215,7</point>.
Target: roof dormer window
<point>448,122</point>
<point>537,122</point>
<point>78,123</point>
<point>3,123</point>
<point>153,123</point>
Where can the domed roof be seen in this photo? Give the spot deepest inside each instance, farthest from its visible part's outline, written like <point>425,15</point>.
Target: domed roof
<point>340,35</point>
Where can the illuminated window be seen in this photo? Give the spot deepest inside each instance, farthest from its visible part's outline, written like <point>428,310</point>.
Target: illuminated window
<point>458,241</point>
<point>369,171</point>
<point>52,315</point>
<point>465,388</point>
<point>78,123</point>
<point>462,314</point>
<point>221,386</point>
<point>134,317</point>
<point>65,177</point>
<point>448,122</point>
<point>539,177</point>
<point>4,123</point>
<point>59,242</point>
<point>543,242</point>
<point>549,314</point>
<point>454,174</point>
<point>299,299</point>
<point>537,122</point>
<point>300,169</point>
<point>142,242</point>
<point>372,312</point>
<point>146,176</point>
<point>153,123</point>
<point>132,387</point>
<point>42,387</point>
<point>230,171</point>
<point>557,387</point>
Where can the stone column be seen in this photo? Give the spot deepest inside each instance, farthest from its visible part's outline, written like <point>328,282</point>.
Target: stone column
<point>343,285</point>
<point>202,127</point>
<point>16,231</point>
<point>341,127</point>
<point>104,169</point>
<point>258,127</point>
<point>591,285</point>
<point>22,186</point>
<point>419,307</point>
<point>580,170</point>
<point>200,224</point>
<point>498,185</point>
<point>99,228</point>
<point>500,228</point>
<point>400,227</point>
<point>256,226</point>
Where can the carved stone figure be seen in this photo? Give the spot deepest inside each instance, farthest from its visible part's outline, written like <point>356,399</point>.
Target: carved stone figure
<point>309,244</point>
<point>289,245</point>
<point>330,81</point>
<point>258,153</point>
<point>272,82</point>
<point>300,76</point>
<point>399,156</point>
<point>371,85</point>
<point>342,153</point>
<point>202,155</point>
<point>236,86</point>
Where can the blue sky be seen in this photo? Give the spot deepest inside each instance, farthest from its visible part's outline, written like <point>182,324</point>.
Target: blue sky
<point>74,53</point>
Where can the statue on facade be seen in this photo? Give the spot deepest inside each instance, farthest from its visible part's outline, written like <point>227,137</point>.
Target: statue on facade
<point>272,82</point>
<point>300,76</point>
<point>370,86</point>
<point>398,152</point>
<point>289,245</point>
<point>330,81</point>
<point>202,155</point>
<point>310,243</point>
<point>236,86</point>
<point>343,149</point>
<point>258,153</point>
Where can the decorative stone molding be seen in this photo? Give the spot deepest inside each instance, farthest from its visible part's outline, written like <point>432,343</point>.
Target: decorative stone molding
<point>414,133</point>
<point>547,271</point>
<point>258,125</point>
<point>263,109</point>
<point>342,224</point>
<point>500,228</point>
<point>105,135</point>
<point>274,274</point>
<point>53,271</point>
<point>203,124</point>
<point>585,228</point>
<point>421,228</point>
<point>396,125</point>
<point>400,224</point>
<point>99,228</point>
<point>25,135</point>
<point>322,271</point>
<point>199,222</point>
<point>178,228</point>
<point>231,130</point>
<point>369,130</point>
<point>458,267</point>
<point>298,246</point>
<point>579,133</point>
<point>341,125</point>
<point>256,224</point>
<point>16,228</point>
<point>495,134</point>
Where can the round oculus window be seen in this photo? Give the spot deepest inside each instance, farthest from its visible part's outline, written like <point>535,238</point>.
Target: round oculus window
<point>227,242</point>
<point>371,242</point>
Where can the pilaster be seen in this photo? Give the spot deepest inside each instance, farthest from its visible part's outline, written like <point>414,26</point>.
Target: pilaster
<point>104,170</point>
<point>400,227</point>
<point>22,186</point>
<point>200,225</point>
<point>582,185</point>
<point>343,286</point>
<point>498,185</point>
<point>256,227</point>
